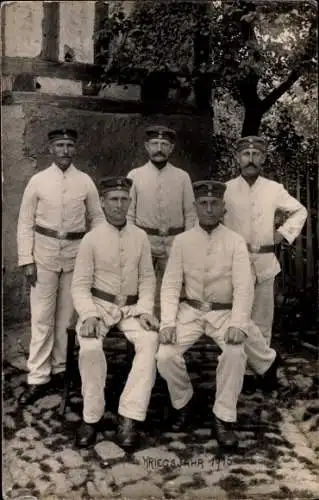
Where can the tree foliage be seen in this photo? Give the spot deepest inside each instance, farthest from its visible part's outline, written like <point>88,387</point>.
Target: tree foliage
<point>253,50</point>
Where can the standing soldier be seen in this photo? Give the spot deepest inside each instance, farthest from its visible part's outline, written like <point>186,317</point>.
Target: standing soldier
<point>162,199</point>
<point>52,221</point>
<point>251,203</point>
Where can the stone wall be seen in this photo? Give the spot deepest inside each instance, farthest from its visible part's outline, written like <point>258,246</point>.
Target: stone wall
<point>109,144</point>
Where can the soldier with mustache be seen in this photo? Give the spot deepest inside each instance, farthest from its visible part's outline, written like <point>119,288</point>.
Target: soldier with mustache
<point>52,221</point>
<point>162,198</point>
<point>251,202</point>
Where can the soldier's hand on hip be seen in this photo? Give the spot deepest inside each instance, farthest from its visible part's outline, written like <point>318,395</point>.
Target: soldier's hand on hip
<point>278,238</point>
<point>149,322</point>
<point>167,335</point>
<point>89,328</point>
<point>30,272</point>
<point>234,336</point>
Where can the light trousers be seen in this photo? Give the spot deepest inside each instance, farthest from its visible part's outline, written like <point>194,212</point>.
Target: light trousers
<point>159,264</point>
<point>51,314</point>
<point>230,369</point>
<point>136,395</point>
<point>263,307</point>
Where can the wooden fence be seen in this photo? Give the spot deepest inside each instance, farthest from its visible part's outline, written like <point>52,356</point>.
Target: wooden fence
<point>297,284</point>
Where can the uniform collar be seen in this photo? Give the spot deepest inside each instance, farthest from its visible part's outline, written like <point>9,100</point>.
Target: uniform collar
<point>150,165</point>
<point>116,228</point>
<point>256,183</point>
<point>203,231</point>
<point>68,171</point>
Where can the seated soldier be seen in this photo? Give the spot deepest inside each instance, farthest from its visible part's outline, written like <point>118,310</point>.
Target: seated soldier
<point>114,284</point>
<point>212,262</point>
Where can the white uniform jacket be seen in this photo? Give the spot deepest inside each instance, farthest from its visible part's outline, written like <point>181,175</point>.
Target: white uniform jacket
<point>60,201</point>
<point>213,267</point>
<point>116,262</point>
<point>161,199</point>
<point>250,211</point>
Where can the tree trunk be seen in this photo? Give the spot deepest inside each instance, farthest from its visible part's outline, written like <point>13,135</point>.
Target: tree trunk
<point>252,120</point>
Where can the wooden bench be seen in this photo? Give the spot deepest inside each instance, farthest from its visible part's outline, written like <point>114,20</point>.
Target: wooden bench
<point>72,357</point>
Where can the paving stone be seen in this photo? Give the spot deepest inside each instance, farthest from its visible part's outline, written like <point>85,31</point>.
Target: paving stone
<point>28,417</point>
<point>174,435</point>
<point>108,450</point>
<point>45,488</point>
<point>28,433</point>
<point>126,472</point>
<point>203,432</point>
<point>63,486</point>
<point>212,443</point>
<point>266,489</point>
<point>92,490</point>
<point>48,415</point>
<point>72,417</point>
<point>8,422</point>
<point>156,458</point>
<point>141,490</point>
<point>48,402</point>
<point>71,458</point>
<point>52,464</point>
<point>179,481</point>
<point>296,485</point>
<point>102,477</point>
<point>37,452</point>
<point>77,476</point>
<point>211,493</point>
<point>177,445</point>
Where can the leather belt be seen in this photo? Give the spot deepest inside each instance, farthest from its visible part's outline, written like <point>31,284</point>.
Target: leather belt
<point>172,231</point>
<point>119,300</point>
<point>59,235</point>
<point>261,248</point>
<point>208,306</point>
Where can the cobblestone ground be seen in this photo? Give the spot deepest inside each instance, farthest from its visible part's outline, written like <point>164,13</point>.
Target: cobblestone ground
<point>277,456</point>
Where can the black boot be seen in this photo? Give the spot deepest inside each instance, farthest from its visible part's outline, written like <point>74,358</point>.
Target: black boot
<point>269,380</point>
<point>182,418</point>
<point>249,385</point>
<point>127,435</point>
<point>224,434</point>
<point>57,381</point>
<point>32,393</point>
<point>86,435</point>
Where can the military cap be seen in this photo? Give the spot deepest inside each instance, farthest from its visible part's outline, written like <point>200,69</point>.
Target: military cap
<point>160,132</point>
<point>215,189</point>
<point>63,133</point>
<point>111,183</point>
<point>251,142</point>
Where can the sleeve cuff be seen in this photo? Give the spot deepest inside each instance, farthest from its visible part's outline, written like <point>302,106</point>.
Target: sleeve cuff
<point>288,237</point>
<point>24,261</point>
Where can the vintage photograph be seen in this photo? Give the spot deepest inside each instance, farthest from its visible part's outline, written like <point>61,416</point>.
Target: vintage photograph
<point>160,250</point>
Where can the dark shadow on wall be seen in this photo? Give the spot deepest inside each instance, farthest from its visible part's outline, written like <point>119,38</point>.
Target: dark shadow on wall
<point>109,144</point>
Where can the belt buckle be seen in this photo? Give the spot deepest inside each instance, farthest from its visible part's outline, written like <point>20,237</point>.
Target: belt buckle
<point>206,306</point>
<point>120,300</point>
<point>163,232</point>
<point>254,248</point>
<point>61,235</point>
